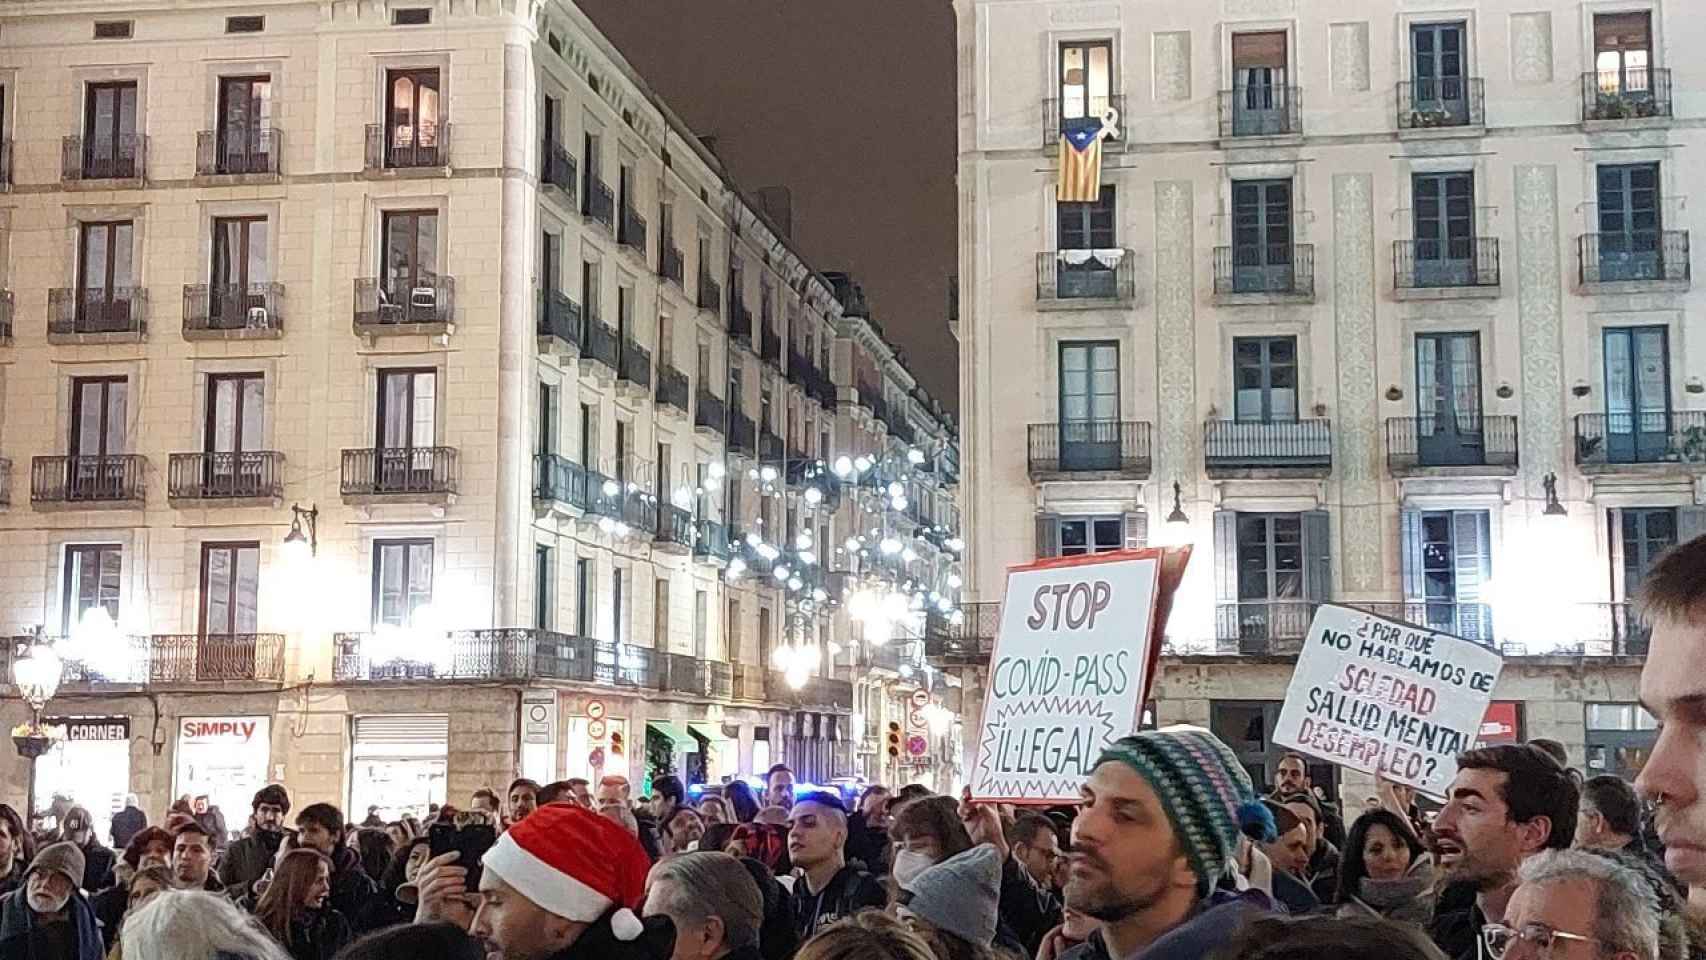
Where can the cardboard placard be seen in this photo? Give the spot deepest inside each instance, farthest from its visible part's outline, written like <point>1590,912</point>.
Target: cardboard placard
<point>1074,656</point>
<point>1386,697</point>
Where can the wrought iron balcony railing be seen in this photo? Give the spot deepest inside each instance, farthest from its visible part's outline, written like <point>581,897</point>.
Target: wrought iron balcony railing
<point>215,658</point>
<point>403,148</point>
<point>123,157</point>
<point>598,203</point>
<point>112,478</point>
<point>557,168</point>
<point>709,411</point>
<point>672,263</point>
<point>1629,437</point>
<point>1095,275</point>
<point>1441,102</point>
<point>559,479</point>
<point>1101,446</point>
<point>711,541</point>
<point>1454,440</point>
<point>674,525</point>
<point>1630,93</point>
<point>233,307</point>
<point>382,302</point>
<point>633,230</point>
<point>1639,255</point>
<point>560,318</point>
<point>1257,444</point>
<point>235,153</point>
<point>1457,262</point>
<point>601,342</point>
<point>1273,268</point>
<point>248,474</point>
<point>1260,110</point>
<point>634,364</point>
<point>710,293</point>
<point>742,436</point>
<point>399,471</point>
<point>396,654</point>
<point>1263,627</point>
<point>120,310</point>
<point>673,390</point>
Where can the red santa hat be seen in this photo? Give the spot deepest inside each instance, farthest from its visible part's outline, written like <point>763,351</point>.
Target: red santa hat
<point>576,864</point>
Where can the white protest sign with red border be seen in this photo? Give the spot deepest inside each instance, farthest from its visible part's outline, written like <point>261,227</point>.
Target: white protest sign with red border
<point>1074,656</point>
<point>1388,698</point>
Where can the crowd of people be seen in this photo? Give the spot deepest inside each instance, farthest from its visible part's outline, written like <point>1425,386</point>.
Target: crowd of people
<point>1171,854</point>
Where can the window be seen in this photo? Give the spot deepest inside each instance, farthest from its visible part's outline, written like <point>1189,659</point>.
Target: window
<point>1637,394</point>
<point>407,409</point>
<point>543,608</point>
<point>622,464</point>
<point>616,599</point>
<point>624,187</point>
<point>230,578</point>
<point>589,437</point>
<point>109,130</point>
<point>584,594</point>
<point>545,444</point>
<point>411,17</point>
<point>240,271</point>
<point>244,136</point>
<point>233,433</point>
<point>1264,377</point>
<point>701,623</point>
<point>1086,79</point>
<point>1088,226</point>
<point>1444,225</point>
<point>660,613</point>
<point>766,404</point>
<point>402,580</point>
<point>550,262</point>
<point>1644,533</point>
<point>666,341</point>
<point>1622,44</point>
<point>1084,535</point>
<point>245,24</point>
<point>625,315</point>
<point>408,255</point>
<point>413,118</point>
<point>92,578</point>
<point>764,638</point>
<point>1089,406</point>
<point>99,427</point>
<point>592,147</point>
<point>104,277</point>
<point>114,29</point>
<point>1439,94</point>
<point>1259,84</point>
<point>732,634</point>
<point>1448,562</point>
<point>1630,224</point>
<point>1270,557</point>
<point>1261,236</point>
<point>589,290</point>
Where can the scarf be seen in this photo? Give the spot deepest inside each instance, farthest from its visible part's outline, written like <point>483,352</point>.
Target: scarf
<point>1387,895</point>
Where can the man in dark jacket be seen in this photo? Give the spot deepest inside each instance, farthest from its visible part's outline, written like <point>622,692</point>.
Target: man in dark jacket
<point>247,859</point>
<point>829,890</point>
<point>48,918</point>
<point>79,828</point>
<point>127,823</point>
<point>716,908</point>
<point>1028,904</point>
<point>212,820</point>
<point>868,831</point>
<point>1162,817</point>
<point>320,826</point>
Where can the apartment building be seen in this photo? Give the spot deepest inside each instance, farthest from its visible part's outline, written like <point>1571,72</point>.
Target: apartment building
<point>402,399</point>
<point>1376,303</point>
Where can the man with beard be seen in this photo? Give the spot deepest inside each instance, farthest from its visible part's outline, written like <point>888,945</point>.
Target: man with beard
<point>830,890</point>
<point>1160,824</point>
<point>247,859</point>
<point>1673,600</point>
<point>1507,803</point>
<point>48,918</point>
<point>563,884</point>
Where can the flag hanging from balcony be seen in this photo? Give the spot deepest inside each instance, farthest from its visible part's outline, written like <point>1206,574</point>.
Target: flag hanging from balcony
<point>1081,157</point>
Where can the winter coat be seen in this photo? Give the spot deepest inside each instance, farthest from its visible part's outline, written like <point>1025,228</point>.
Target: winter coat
<point>318,935</point>
<point>127,823</point>
<point>98,864</point>
<point>846,893</point>
<point>1210,926</point>
<point>354,894</point>
<point>1408,899</point>
<point>247,860</point>
<point>21,936</point>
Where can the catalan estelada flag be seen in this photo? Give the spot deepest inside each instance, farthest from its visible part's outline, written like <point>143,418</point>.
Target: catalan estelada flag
<point>1080,160</point>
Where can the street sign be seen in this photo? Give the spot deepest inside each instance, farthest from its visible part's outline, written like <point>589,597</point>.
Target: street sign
<point>920,699</point>
<point>595,709</point>
<point>917,746</point>
<point>595,759</point>
<point>918,721</point>
<point>595,729</point>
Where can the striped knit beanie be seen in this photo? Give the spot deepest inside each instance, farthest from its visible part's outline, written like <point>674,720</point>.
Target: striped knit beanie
<point>1203,788</point>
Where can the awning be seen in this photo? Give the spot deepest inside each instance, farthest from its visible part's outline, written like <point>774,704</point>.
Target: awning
<point>710,731</point>
<point>676,735</point>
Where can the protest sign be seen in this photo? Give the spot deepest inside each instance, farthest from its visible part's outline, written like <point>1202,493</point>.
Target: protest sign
<point>1387,698</point>
<point>1074,655</point>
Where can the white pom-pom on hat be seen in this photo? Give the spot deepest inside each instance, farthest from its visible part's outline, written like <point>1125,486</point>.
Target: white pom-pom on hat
<point>626,926</point>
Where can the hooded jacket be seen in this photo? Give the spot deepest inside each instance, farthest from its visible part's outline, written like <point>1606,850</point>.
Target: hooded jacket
<point>318,935</point>
<point>846,893</point>
<point>21,937</point>
<point>354,894</point>
<point>1210,926</point>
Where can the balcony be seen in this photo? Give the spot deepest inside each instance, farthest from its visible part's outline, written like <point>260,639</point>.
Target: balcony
<point>672,264</point>
<point>1264,273</point>
<point>709,413</point>
<point>1470,620</point>
<point>560,323</point>
<point>1260,110</point>
<point>254,475</point>
<point>1605,442</point>
<point>113,315</point>
<point>557,169</point>
<point>5,482</point>
<point>605,496</point>
<point>634,366</point>
<point>967,642</point>
<point>674,529</point>
<point>115,478</point>
<point>770,345</point>
<point>430,150</point>
<point>711,542</point>
<point>233,311</point>
<point>710,293</point>
<point>1086,279</point>
<point>215,658</point>
<point>1254,449</point>
<point>769,447</point>
<point>103,158</point>
<point>640,510</point>
<point>559,480</point>
<point>632,231</point>
<point>384,306</point>
<point>742,437</point>
<point>673,390</point>
<point>1449,104</point>
<point>815,692</point>
<point>751,682</point>
<point>600,345</point>
<point>599,203</point>
<point>6,307</point>
<point>377,474</point>
<point>1103,449</point>
<point>1098,107</point>
<point>1263,627</point>
<point>220,153</point>
<point>393,654</point>
<point>679,673</point>
<point>1635,262</point>
<point>624,665</point>
<point>1460,445</point>
<point>1612,99</point>
<point>740,322</point>
<point>1436,270</point>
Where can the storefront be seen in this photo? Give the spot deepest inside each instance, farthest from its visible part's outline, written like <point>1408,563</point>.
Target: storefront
<point>718,749</point>
<point>89,766</point>
<point>226,758</point>
<point>398,764</point>
<point>1502,724</point>
<point>1620,737</point>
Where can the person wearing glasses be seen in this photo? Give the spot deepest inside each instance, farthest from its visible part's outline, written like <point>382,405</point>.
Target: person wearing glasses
<point>1575,905</point>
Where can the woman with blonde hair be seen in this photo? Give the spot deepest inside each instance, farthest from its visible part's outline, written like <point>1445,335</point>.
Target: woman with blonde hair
<point>867,935</point>
<point>294,909</point>
<point>195,925</point>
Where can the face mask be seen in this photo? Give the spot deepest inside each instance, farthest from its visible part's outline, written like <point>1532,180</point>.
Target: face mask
<point>908,864</point>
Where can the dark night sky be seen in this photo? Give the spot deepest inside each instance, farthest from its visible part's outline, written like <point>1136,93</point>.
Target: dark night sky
<point>851,105</point>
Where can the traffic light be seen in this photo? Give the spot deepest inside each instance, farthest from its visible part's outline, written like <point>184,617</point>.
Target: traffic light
<point>894,739</point>
<point>616,742</point>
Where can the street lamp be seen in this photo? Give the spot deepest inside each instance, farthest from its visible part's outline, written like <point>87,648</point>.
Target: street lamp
<point>1178,514</point>
<point>36,671</point>
<point>298,545</point>
<point>1553,507</point>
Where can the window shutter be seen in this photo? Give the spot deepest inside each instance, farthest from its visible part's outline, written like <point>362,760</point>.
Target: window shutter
<point>1136,530</point>
<point>1226,556</point>
<point>1317,556</point>
<point>1622,31</point>
<point>1048,535</point>
<point>1690,523</point>
<point>1410,527</point>
<point>410,729</point>
<point>1472,535</point>
<point>1265,49</point>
